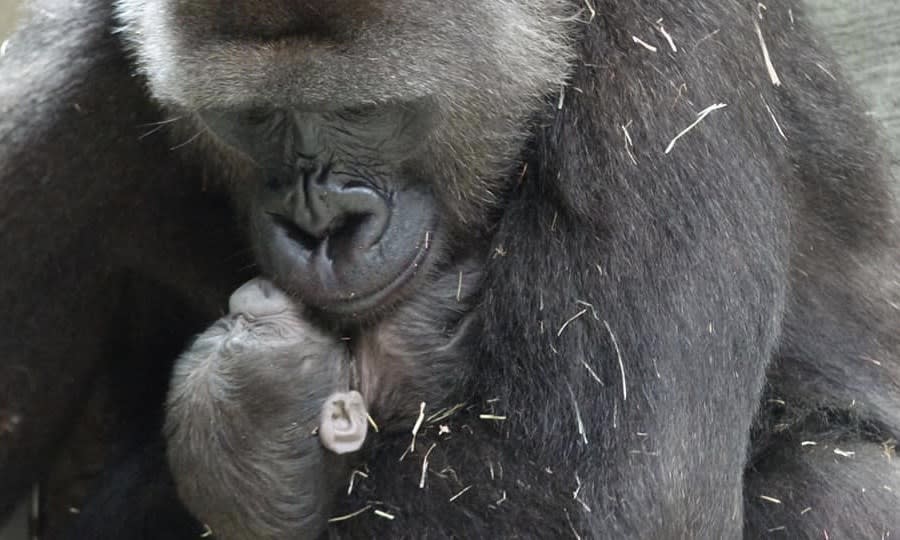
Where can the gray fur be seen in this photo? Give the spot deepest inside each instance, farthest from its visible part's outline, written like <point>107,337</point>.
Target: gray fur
<point>247,399</point>
<point>474,63</point>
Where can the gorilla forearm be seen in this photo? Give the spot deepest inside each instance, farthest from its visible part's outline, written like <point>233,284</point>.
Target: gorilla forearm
<point>44,198</point>
<point>79,198</point>
<point>647,340</point>
<point>714,218</point>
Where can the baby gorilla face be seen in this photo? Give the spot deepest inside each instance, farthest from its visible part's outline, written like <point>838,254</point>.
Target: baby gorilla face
<point>245,404</point>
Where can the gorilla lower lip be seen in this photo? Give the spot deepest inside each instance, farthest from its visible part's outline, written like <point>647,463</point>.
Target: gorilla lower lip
<point>342,283</point>
<point>295,233</point>
<point>354,304</point>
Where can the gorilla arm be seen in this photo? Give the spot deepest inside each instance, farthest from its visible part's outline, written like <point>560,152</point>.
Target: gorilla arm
<point>82,199</point>
<point>571,452</point>
<point>629,314</point>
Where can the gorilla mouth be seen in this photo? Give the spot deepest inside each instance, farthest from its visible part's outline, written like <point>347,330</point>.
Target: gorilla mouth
<point>343,274</point>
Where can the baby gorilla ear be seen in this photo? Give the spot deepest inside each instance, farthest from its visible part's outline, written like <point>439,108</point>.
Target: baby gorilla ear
<point>344,424</point>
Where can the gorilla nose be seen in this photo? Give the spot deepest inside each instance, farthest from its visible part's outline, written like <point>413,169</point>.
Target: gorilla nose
<point>321,207</point>
<point>258,297</point>
<point>339,244</point>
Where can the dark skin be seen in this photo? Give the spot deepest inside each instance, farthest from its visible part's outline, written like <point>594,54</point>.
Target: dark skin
<point>733,297</point>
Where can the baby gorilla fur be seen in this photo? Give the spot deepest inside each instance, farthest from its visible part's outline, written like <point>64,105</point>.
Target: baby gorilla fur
<point>250,396</point>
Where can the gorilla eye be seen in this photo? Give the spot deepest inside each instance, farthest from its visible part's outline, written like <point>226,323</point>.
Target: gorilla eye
<point>256,116</point>
<point>362,112</point>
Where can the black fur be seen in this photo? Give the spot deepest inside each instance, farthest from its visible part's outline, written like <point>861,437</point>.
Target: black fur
<point>638,305</point>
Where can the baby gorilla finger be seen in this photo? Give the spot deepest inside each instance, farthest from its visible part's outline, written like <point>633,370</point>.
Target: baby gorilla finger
<point>258,297</point>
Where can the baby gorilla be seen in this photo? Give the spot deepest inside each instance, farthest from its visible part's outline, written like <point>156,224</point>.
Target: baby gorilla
<point>245,405</point>
<point>263,411</point>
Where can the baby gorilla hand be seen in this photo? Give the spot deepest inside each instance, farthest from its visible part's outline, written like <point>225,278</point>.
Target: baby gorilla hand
<point>258,297</point>
<point>344,424</point>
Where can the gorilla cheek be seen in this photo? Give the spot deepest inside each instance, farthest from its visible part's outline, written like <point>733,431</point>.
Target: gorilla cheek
<point>343,249</point>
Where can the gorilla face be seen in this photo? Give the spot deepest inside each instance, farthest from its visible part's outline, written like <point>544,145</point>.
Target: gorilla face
<point>371,130</point>
<point>339,216</point>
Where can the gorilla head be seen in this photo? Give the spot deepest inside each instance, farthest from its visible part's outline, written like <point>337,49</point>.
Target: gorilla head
<point>368,131</point>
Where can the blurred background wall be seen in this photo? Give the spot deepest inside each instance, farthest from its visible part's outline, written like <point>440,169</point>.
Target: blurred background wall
<point>7,8</point>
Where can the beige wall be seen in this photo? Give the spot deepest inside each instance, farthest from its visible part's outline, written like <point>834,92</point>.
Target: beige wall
<point>8,8</point>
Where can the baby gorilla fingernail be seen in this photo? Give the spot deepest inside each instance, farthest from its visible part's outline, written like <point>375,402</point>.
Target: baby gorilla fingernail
<point>258,297</point>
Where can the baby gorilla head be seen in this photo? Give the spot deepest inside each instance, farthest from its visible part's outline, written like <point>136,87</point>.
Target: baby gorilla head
<point>246,403</point>
<point>247,398</point>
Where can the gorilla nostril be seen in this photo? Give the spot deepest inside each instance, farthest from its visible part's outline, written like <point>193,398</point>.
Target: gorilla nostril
<point>349,216</point>
<point>307,241</point>
<point>352,209</point>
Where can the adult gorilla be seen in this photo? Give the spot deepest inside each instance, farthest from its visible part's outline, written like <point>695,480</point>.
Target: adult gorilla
<point>683,211</point>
